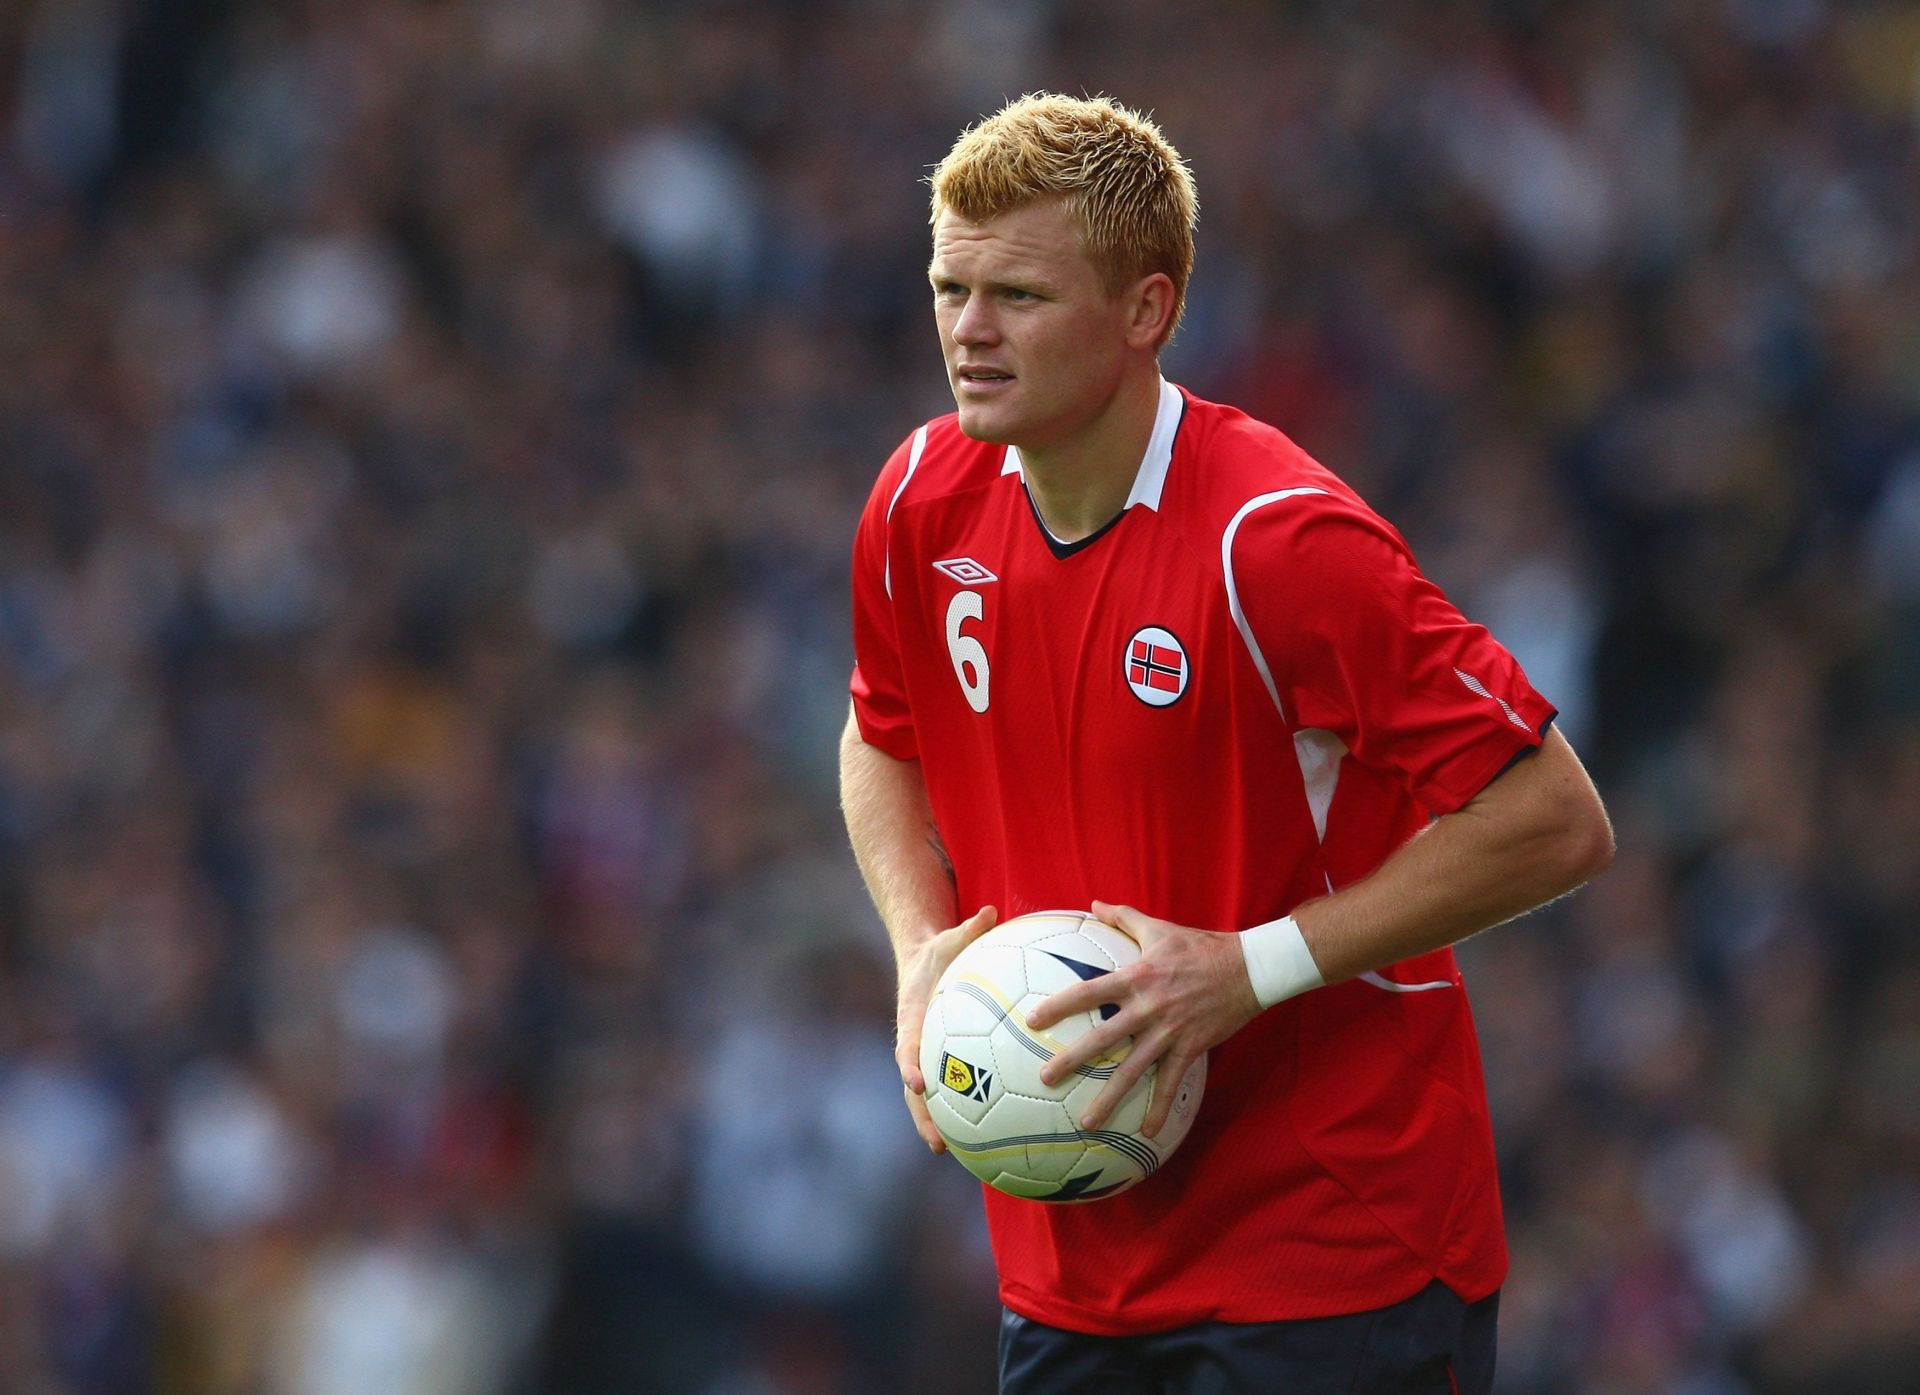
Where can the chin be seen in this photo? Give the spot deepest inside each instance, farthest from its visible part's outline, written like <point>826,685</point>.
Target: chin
<point>981,425</point>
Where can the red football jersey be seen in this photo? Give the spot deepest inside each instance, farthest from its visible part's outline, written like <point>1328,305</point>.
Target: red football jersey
<point>1237,695</point>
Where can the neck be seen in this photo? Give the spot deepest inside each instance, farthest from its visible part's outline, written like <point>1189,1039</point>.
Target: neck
<point>1080,485</point>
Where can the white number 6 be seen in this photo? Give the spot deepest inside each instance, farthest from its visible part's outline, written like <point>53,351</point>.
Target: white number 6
<point>969,654</point>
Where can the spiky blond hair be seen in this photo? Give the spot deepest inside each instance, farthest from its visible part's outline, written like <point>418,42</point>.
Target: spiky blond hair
<point>1120,179</point>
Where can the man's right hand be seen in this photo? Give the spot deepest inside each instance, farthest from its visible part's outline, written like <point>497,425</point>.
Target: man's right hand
<point>919,971</point>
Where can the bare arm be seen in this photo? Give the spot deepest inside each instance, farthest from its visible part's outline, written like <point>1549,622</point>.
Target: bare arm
<point>908,874</point>
<point>1535,833</point>
<point>890,824</point>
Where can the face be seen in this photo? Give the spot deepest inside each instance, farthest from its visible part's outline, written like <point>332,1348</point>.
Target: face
<point>1035,345</point>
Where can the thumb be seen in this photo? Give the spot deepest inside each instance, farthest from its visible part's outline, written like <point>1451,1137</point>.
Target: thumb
<point>977,924</point>
<point>967,931</point>
<point>912,1019</point>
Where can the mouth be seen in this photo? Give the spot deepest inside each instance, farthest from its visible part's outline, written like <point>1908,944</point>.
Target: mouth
<point>980,380</point>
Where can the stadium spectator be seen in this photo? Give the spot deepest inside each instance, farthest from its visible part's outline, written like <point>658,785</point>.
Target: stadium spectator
<point>422,581</point>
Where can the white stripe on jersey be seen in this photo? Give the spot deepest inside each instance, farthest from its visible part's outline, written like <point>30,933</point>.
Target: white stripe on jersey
<point>913,463</point>
<point>1233,591</point>
<point>1392,987</point>
<point>1319,752</point>
<point>1474,685</point>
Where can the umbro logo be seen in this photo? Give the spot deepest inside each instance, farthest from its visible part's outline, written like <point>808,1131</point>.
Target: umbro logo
<point>965,570</point>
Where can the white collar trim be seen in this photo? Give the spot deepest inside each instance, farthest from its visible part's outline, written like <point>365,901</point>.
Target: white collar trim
<point>1151,478</point>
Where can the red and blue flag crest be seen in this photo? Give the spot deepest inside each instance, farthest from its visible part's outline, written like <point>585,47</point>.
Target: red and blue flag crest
<point>1156,666</point>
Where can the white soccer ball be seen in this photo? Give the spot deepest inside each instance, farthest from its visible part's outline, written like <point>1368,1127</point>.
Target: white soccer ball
<point>982,1066</point>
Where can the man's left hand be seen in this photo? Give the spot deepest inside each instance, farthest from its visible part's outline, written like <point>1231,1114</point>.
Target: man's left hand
<point>1187,993</point>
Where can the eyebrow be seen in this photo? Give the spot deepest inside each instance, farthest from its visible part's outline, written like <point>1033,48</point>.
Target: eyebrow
<point>938,276</point>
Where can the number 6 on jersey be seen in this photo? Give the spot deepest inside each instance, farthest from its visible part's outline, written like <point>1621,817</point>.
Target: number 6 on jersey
<point>969,655</point>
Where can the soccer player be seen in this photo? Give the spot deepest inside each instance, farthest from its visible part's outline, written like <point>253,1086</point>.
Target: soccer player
<point>1121,648</point>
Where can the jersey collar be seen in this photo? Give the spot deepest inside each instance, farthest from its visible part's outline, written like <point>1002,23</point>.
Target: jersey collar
<point>1151,478</point>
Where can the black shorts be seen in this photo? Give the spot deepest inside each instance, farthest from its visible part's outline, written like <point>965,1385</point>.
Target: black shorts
<point>1430,1344</point>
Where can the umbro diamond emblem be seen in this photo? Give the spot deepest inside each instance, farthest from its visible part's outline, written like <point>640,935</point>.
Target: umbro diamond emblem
<point>965,570</point>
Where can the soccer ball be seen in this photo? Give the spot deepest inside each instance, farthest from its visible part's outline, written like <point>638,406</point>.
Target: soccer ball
<point>982,1066</point>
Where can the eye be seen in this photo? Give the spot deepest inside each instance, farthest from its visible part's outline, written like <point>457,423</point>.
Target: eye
<point>1015,294</point>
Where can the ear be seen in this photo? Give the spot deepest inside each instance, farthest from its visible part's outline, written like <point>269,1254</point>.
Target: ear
<point>1149,304</point>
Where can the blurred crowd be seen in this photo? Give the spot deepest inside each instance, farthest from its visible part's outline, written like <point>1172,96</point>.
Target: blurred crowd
<point>431,433</point>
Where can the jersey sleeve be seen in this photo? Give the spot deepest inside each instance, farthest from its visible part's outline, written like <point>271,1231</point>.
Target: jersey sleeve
<point>878,683</point>
<point>1359,643</point>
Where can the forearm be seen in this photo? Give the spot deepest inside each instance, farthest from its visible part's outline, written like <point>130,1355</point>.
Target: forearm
<point>898,847</point>
<point>908,874</point>
<point>1535,834</point>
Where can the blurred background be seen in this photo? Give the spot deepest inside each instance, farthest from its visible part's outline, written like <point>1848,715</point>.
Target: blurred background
<point>431,434</point>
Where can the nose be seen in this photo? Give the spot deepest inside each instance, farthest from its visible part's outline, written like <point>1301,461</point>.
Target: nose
<point>975,324</point>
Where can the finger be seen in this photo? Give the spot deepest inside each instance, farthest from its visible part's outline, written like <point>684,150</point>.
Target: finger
<point>1077,997</point>
<point>1125,1077</point>
<point>1097,1044</point>
<point>1089,1046</point>
<point>907,1057</point>
<point>909,1026</point>
<point>923,1124</point>
<point>1136,925</point>
<point>1166,1085</point>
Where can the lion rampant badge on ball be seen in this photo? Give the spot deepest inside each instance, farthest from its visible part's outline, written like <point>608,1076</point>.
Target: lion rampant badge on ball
<point>982,1066</point>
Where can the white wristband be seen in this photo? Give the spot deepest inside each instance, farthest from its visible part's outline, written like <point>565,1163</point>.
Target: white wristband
<point>1278,962</point>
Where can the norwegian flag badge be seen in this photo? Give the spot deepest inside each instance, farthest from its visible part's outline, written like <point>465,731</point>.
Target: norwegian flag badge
<point>1156,666</point>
